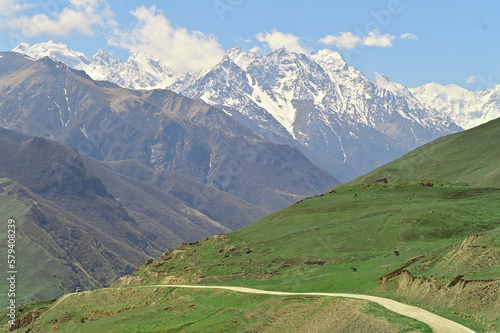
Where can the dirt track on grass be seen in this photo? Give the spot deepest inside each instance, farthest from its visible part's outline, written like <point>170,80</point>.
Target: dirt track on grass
<point>437,323</point>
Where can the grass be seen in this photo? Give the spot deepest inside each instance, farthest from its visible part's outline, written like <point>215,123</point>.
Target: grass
<point>471,156</point>
<point>175,310</point>
<point>313,244</point>
<point>310,246</point>
<point>24,309</point>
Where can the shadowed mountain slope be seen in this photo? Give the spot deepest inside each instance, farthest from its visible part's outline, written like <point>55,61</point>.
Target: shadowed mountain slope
<point>158,128</point>
<point>81,223</point>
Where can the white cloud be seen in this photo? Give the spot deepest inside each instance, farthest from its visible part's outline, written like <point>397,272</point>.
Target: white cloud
<point>9,7</point>
<point>176,47</point>
<point>344,40</point>
<point>276,40</point>
<point>254,49</point>
<point>374,38</point>
<point>80,15</point>
<point>408,36</point>
<point>348,40</point>
<point>472,79</point>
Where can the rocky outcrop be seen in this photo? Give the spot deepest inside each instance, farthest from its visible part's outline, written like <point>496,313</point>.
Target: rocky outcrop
<point>383,279</point>
<point>27,319</point>
<point>466,295</point>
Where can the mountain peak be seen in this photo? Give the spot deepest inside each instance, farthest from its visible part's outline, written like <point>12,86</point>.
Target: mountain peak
<point>102,53</point>
<point>241,58</point>
<point>235,51</point>
<point>329,60</point>
<point>281,51</point>
<point>142,57</point>
<point>21,47</point>
<point>55,42</point>
<point>55,50</point>
<point>384,82</point>
<point>382,77</point>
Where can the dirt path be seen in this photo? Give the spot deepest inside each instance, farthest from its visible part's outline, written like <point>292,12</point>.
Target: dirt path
<point>437,323</point>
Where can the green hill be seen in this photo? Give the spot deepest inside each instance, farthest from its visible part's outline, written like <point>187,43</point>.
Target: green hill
<point>469,157</point>
<point>430,236</point>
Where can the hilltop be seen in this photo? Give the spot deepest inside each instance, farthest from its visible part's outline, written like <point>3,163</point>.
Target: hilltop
<point>470,157</point>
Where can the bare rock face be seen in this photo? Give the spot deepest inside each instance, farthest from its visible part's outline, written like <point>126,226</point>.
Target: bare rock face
<point>457,292</point>
<point>27,319</point>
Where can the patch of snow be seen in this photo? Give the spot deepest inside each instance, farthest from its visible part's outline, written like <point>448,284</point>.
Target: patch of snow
<point>69,108</point>
<point>283,113</point>
<point>60,113</point>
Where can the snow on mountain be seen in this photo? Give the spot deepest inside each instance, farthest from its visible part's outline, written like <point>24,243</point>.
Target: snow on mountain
<point>55,50</point>
<point>343,121</point>
<point>466,108</point>
<point>140,71</point>
<point>327,107</point>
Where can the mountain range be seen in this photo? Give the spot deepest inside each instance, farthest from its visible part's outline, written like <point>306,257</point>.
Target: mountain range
<point>468,109</point>
<point>101,174</point>
<point>157,128</point>
<point>341,120</point>
<point>242,134</point>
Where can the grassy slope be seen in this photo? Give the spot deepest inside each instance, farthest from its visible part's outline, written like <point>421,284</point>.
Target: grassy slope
<point>42,280</point>
<point>311,245</point>
<point>171,310</point>
<point>72,232</point>
<point>471,156</point>
<point>30,282</point>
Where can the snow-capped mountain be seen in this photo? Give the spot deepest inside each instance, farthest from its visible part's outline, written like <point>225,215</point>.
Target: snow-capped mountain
<point>342,120</point>
<point>140,71</point>
<point>55,50</point>
<point>466,108</point>
<point>326,106</point>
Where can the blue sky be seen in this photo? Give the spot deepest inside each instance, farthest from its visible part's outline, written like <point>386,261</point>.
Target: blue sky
<point>411,41</point>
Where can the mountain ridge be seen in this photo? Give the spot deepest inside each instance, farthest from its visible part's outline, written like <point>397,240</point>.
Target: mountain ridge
<point>158,128</point>
<point>318,103</point>
<point>467,108</point>
<point>443,99</point>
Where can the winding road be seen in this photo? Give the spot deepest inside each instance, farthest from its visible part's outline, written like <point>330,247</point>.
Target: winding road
<point>437,323</point>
